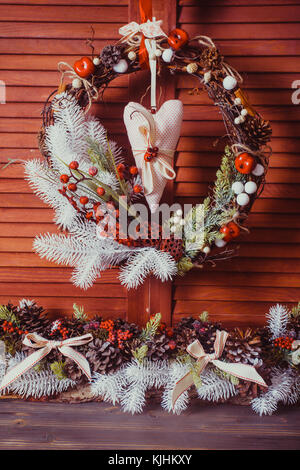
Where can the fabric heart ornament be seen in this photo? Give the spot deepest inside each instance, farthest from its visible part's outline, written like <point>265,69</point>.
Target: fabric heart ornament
<point>153,139</point>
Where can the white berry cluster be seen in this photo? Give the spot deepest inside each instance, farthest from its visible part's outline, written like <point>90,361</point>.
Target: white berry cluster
<point>177,221</point>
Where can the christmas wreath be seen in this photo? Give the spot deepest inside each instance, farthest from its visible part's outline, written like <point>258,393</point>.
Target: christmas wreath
<point>95,192</point>
<point>88,359</point>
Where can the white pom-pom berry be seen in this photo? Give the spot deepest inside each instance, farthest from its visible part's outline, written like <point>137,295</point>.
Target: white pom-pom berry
<point>237,187</point>
<point>250,187</point>
<point>167,55</point>
<point>258,170</point>
<point>229,82</point>
<point>121,66</point>
<point>77,83</point>
<point>96,61</point>
<point>243,199</point>
<point>219,242</point>
<point>131,55</point>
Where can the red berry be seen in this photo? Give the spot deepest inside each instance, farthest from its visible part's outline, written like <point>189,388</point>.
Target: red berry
<point>230,231</point>
<point>133,170</point>
<point>244,163</point>
<point>225,230</point>
<point>84,67</point>
<point>84,200</point>
<point>64,178</point>
<point>74,165</point>
<point>137,189</point>
<point>178,38</point>
<point>234,229</point>
<point>93,171</point>
<point>121,167</point>
<point>172,344</point>
<point>100,191</point>
<point>72,187</point>
<point>89,215</point>
<point>148,157</point>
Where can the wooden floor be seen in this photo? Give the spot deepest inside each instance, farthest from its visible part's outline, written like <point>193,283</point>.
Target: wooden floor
<point>94,426</point>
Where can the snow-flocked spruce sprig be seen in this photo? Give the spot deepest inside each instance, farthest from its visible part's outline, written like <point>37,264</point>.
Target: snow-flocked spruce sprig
<point>277,320</point>
<point>284,388</point>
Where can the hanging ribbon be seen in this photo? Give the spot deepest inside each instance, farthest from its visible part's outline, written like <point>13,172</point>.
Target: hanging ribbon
<point>149,28</point>
<point>90,89</point>
<point>162,163</point>
<point>145,7</point>
<point>151,48</point>
<point>195,349</point>
<point>44,347</point>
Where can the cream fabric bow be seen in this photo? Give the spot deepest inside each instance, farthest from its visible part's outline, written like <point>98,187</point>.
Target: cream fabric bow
<point>150,29</point>
<point>44,347</point>
<point>195,349</point>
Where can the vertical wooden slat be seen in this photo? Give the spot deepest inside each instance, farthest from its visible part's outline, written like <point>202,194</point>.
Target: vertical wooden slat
<point>153,296</point>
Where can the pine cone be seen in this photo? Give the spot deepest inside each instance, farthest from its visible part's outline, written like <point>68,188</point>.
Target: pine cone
<point>74,372</point>
<point>206,334</point>
<point>103,357</point>
<point>173,246</point>
<point>111,55</point>
<point>189,330</point>
<point>32,317</point>
<point>249,390</point>
<point>184,333</point>
<point>158,348</point>
<point>244,347</point>
<point>294,327</point>
<point>211,58</point>
<point>257,131</point>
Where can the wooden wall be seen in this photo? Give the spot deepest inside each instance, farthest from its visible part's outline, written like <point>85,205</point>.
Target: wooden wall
<point>35,36</point>
<point>261,38</point>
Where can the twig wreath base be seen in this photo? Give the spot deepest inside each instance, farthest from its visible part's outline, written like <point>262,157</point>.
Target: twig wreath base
<point>84,176</point>
<point>132,365</point>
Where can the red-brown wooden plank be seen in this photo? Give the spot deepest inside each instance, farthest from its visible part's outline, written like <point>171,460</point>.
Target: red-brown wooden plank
<point>57,13</point>
<point>244,14</point>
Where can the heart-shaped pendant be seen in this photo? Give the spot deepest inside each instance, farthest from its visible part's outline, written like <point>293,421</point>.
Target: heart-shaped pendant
<point>153,139</point>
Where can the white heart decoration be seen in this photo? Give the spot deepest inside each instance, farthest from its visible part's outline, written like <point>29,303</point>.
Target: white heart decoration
<point>161,130</point>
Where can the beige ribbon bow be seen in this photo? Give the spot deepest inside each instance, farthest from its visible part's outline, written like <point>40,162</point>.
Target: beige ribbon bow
<point>150,29</point>
<point>162,163</point>
<point>195,349</point>
<point>44,347</point>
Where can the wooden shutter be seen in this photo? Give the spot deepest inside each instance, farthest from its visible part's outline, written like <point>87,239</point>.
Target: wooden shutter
<point>261,39</point>
<point>35,36</point>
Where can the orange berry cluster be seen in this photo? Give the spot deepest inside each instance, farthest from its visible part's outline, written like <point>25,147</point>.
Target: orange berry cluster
<point>115,335</point>
<point>107,325</point>
<point>8,327</point>
<point>57,326</point>
<point>283,342</point>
